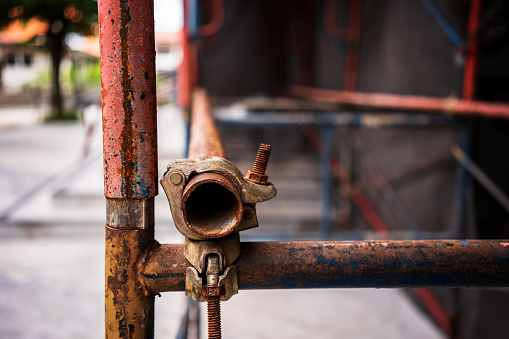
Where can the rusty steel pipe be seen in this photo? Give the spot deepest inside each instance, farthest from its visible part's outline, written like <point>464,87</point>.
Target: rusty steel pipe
<point>404,102</point>
<point>321,264</point>
<point>211,205</point>
<point>205,140</point>
<point>130,160</point>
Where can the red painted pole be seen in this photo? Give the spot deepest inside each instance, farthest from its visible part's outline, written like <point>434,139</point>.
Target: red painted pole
<point>128,83</point>
<point>397,102</point>
<point>470,70</point>
<point>329,20</point>
<point>184,77</point>
<point>217,20</point>
<point>352,40</point>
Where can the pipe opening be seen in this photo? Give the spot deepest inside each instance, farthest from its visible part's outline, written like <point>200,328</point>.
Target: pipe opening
<point>211,205</point>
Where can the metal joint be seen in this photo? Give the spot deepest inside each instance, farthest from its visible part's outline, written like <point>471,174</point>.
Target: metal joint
<point>130,214</point>
<point>200,254</point>
<point>228,285</point>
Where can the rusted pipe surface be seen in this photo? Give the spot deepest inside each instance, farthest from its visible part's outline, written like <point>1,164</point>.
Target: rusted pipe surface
<point>205,140</point>
<point>404,102</point>
<point>128,312</point>
<point>378,264</point>
<point>130,160</point>
<point>211,205</point>
<point>128,98</point>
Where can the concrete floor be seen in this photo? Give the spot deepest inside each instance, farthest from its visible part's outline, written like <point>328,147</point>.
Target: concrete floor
<point>51,252</point>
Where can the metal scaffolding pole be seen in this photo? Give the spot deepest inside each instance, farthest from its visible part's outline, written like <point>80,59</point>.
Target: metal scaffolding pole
<point>452,106</point>
<point>205,140</point>
<point>322,264</point>
<point>130,160</point>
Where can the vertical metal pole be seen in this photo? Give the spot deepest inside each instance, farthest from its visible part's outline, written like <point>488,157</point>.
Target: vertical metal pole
<point>326,177</point>
<point>462,228</point>
<point>130,159</point>
<point>470,69</point>
<point>352,41</point>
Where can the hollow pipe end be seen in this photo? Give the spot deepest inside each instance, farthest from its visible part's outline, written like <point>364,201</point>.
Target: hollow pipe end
<point>211,205</point>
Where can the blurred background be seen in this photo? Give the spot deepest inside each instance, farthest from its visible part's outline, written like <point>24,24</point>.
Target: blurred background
<point>344,170</point>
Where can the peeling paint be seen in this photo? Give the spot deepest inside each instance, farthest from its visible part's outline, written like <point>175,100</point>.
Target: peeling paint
<point>128,99</point>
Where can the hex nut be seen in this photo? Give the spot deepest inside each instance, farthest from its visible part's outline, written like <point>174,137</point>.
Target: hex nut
<point>213,290</point>
<point>257,178</point>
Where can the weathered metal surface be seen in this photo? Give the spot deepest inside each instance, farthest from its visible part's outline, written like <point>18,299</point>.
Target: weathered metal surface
<point>224,252</point>
<point>205,140</point>
<point>129,312</point>
<point>378,264</point>
<point>180,173</point>
<point>211,205</point>
<point>404,102</point>
<point>226,248</point>
<point>128,98</point>
<point>130,214</point>
<point>257,174</point>
<point>130,159</point>
<point>228,284</point>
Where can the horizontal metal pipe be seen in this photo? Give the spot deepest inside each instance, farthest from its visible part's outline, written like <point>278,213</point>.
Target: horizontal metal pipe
<point>205,140</point>
<point>404,102</point>
<point>367,120</point>
<point>321,264</point>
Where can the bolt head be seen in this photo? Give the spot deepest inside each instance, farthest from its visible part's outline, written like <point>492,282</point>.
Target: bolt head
<point>175,178</point>
<point>257,178</point>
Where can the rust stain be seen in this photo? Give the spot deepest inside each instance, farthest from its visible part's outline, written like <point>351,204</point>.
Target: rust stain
<point>129,155</point>
<point>205,139</point>
<point>379,264</point>
<point>127,307</point>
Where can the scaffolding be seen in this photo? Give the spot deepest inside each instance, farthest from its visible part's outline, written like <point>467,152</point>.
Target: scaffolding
<point>139,268</point>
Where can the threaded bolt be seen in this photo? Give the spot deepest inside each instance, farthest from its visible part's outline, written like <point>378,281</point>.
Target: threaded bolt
<point>212,290</point>
<point>257,174</point>
<point>262,159</point>
<point>214,317</point>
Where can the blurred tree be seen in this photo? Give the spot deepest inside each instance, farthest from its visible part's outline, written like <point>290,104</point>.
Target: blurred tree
<point>62,16</point>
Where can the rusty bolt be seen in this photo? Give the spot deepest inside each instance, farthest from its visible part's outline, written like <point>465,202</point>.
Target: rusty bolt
<point>213,291</point>
<point>257,174</point>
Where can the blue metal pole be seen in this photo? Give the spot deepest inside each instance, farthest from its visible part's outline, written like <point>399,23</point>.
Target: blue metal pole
<point>463,184</point>
<point>442,22</point>
<point>326,178</point>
